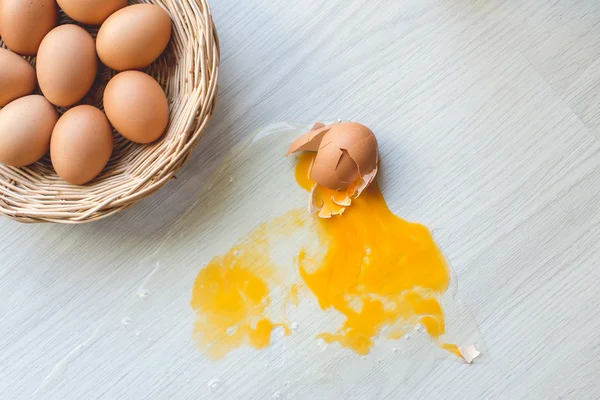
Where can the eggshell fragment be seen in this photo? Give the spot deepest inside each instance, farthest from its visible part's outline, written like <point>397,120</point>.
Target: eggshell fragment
<point>309,141</point>
<point>17,77</point>
<point>66,65</point>
<point>92,12</point>
<point>25,23</point>
<point>26,125</point>
<point>81,145</point>
<point>469,353</point>
<point>136,106</point>
<point>134,37</point>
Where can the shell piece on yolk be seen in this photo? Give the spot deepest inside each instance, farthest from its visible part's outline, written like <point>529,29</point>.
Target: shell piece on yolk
<point>324,201</point>
<point>384,277</point>
<point>327,203</point>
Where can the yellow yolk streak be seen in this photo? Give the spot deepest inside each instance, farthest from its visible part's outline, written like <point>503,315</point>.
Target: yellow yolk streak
<point>379,270</point>
<point>452,348</point>
<point>293,296</point>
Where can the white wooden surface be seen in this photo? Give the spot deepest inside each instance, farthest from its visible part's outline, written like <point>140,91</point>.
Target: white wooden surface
<point>489,122</point>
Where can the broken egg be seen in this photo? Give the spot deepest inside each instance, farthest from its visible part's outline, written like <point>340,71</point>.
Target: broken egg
<point>359,279</point>
<point>345,165</point>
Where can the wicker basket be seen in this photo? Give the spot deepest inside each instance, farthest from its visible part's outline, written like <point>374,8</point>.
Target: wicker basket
<point>188,72</point>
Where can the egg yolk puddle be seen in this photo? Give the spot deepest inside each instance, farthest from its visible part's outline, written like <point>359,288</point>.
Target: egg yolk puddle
<point>384,275</point>
<point>232,294</point>
<point>379,271</point>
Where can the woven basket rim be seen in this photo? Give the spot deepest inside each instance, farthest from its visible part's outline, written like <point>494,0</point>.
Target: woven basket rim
<point>189,72</point>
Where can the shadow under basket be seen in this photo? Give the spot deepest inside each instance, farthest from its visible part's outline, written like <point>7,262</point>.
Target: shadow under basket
<point>188,72</point>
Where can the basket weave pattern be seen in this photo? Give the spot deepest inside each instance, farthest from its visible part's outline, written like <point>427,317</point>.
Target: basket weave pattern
<point>188,72</point>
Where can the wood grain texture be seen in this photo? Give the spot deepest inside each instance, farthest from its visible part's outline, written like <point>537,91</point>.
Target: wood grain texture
<point>487,116</point>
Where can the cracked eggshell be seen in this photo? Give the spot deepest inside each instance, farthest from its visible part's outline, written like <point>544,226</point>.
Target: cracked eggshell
<point>347,151</point>
<point>334,168</point>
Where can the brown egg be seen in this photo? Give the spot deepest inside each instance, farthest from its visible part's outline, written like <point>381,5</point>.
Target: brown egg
<point>82,143</point>
<point>17,77</point>
<point>26,125</point>
<point>25,23</point>
<point>92,12</point>
<point>134,37</point>
<point>136,106</point>
<point>66,65</point>
<point>346,152</point>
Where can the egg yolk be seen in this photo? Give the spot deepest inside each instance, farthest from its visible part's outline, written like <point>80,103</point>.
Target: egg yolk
<point>384,275</point>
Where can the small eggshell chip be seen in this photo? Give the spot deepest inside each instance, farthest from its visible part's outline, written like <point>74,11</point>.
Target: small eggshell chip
<point>136,106</point>
<point>17,77</point>
<point>25,23</point>
<point>469,353</point>
<point>26,125</point>
<point>81,145</point>
<point>134,37</point>
<point>92,12</point>
<point>66,65</point>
